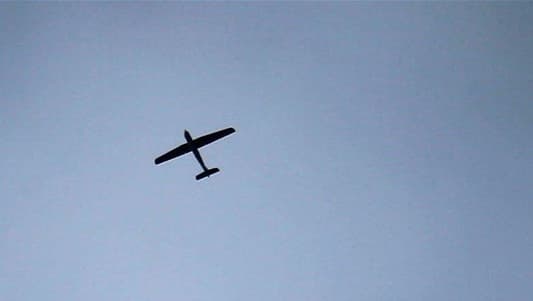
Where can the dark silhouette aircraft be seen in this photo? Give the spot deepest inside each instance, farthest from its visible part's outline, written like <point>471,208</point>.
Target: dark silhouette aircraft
<point>193,145</point>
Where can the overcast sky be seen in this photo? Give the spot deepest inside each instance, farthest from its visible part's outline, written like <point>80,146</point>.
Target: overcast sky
<point>383,151</point>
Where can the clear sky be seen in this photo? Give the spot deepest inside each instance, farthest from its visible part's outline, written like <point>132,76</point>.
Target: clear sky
<point>383,151</point>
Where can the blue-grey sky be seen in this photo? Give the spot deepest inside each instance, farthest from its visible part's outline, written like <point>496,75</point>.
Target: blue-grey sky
<point>383,151</point>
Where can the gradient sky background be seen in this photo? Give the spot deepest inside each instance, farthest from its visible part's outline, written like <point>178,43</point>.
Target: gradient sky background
<point>383,151</point>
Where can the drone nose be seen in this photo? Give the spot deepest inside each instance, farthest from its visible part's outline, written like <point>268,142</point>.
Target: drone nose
<point>187,135</point>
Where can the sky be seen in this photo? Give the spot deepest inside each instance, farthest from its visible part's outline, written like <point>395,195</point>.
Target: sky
<point>383,151</point>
